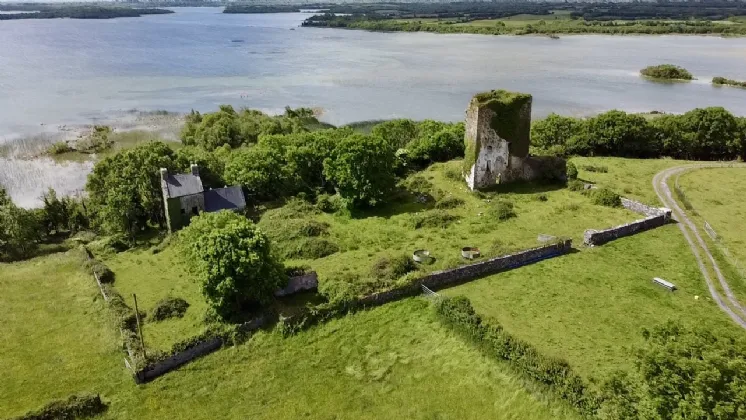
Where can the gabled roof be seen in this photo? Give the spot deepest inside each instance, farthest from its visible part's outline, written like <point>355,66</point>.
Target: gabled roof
<point>228,198</point>
<point>180,185</point>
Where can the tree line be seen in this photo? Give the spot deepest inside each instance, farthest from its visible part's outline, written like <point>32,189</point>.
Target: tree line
<point>701,134</point>
<point>76,12</point>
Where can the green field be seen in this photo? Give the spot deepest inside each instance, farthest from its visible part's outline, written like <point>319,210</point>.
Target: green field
<point>395,361</point>
<point>55,338</point>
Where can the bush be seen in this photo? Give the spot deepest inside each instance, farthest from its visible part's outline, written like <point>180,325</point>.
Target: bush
<point>74,407</point>
<point>170,307</point>
<point>433,219</point>
<point>599,169</point>
<point>296,270</point>
<point>542,197</point>
<point>329,203</point>
<point>572,171</point>
<point>606,197</point>
<point>458,314</point>
<point>501,210</point>
<point>310,249</point>
<point>101,270</point>
<point>729,82</point>
<point>667,71</point>
<point>59,148</point>
<point>575,185</point>
<point>96,141</point>
<point>449,203</point>
<point>390,269</point>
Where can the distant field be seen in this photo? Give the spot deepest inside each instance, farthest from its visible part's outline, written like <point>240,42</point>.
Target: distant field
<point>590,307</point>
<point>55,337</point>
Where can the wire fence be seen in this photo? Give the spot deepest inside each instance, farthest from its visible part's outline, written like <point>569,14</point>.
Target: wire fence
<point>429,294</point>
<point>724,249</point>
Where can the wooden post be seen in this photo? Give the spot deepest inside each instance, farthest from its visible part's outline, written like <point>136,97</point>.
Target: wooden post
<point>139,328</point>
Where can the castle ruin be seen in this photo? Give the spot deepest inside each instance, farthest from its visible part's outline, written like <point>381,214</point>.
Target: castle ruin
<point>498,129</point>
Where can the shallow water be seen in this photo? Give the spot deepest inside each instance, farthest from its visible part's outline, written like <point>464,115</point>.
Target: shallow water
<point>66,71</point>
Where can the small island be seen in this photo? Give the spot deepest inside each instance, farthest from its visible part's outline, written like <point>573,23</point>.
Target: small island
<point>51,11</point>
<point>667,72</point>
<point>722,81</point>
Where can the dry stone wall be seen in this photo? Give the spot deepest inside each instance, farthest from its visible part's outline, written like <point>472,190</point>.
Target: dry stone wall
<point>656,217</point>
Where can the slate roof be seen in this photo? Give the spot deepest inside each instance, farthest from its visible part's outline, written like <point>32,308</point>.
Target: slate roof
<point>228,198</point>
<point>180,185</point>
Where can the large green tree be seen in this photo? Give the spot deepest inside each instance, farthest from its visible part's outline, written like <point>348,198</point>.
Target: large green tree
<point>362,169</point>
<point>19,230</point>
<point>125,189</point>
<point>397,132</point>
<point>232,259</point>
<point>554,131</point>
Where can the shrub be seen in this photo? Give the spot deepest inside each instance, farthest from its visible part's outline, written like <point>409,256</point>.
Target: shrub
<point>606,197</point>
<point>59,148</point>
<point>75,406</point>
<point>442,146</point>
<point>96,141</point>
<point>572,171</point>
<point>449,203</point>
<point>575,185</point>
<point>667,71</point>
<point>169,307</point>
<point>454,174</point>
<point>501,210</point>
<point>729,82</point>
<point>329,203</point>
<point>296,270</point>
<point>433,219</point>
<point>542,197</point>
<point>310,249</point>
<point>101,270</point>
<point>390,269</point>
<point>458,314</point>
<point>592,168</point>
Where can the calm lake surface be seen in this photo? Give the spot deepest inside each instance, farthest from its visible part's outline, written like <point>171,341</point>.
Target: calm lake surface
<point>64,71</point>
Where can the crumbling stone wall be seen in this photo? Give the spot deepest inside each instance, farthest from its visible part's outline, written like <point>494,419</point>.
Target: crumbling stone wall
<point>656,217</point>
<point>498,127</point>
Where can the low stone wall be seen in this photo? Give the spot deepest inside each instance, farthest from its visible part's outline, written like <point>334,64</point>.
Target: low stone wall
<point>656,217</point>
<point>157,369</point>
<point>196,350</point>
<point>642,208</point>
<point>434,281</point>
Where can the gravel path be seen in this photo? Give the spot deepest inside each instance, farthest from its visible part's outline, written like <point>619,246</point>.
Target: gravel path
<point>689,229</point>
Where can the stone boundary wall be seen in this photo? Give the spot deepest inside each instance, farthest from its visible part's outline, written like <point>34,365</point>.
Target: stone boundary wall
<point>435,280</point>
<point>198,349</point>
<point>656,217</point>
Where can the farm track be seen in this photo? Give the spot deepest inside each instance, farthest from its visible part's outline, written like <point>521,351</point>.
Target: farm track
<point>689,229</point>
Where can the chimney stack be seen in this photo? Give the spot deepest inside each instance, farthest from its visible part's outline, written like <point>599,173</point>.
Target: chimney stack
<point>164,173</point>
<point>195,169</point>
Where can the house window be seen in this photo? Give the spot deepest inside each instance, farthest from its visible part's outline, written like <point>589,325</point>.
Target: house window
<point>183,211</point>
<point>195,210</point>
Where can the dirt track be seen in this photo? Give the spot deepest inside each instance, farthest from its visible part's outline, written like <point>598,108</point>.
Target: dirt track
<point>689,229</point>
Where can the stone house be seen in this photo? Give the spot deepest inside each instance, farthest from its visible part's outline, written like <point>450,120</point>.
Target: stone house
<point>184,196</point>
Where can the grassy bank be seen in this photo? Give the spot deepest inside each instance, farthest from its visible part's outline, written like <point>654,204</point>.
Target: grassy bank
<point>554,24</point>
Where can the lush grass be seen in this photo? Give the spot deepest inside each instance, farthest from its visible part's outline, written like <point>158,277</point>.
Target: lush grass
<point>715,195</point>
<point>392,231</point>
<point>589,307</point>
<point>629,177</point>
<point>153,277</point>
<point>391,362</point>
<point>56,339</point>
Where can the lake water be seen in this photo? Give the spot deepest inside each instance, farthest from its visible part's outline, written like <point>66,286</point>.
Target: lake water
<point>63,71</point>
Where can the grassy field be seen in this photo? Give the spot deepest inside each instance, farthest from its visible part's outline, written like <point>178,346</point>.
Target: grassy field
<point>153,277</point>
<point>391,362</point>
<point>55,339</point>
<point>590,306</point>
<point>711,195</point>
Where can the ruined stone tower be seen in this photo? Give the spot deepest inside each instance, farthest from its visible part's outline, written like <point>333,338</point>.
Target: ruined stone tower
<point>498,129</point>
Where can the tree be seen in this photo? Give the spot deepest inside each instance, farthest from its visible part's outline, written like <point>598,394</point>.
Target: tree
<point>232,260</point>
<point>443,145</point>
<point>681,373</point>
<point>555,131</point>
<point>211,164</point>
<point>397,132</point>
<point>19,230</point>
<point>712,133</point>
<point>362,169</point>
<point>262,171</point>
<point>125,188</point>
<point>215,129</point>
<point>616,133</point>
